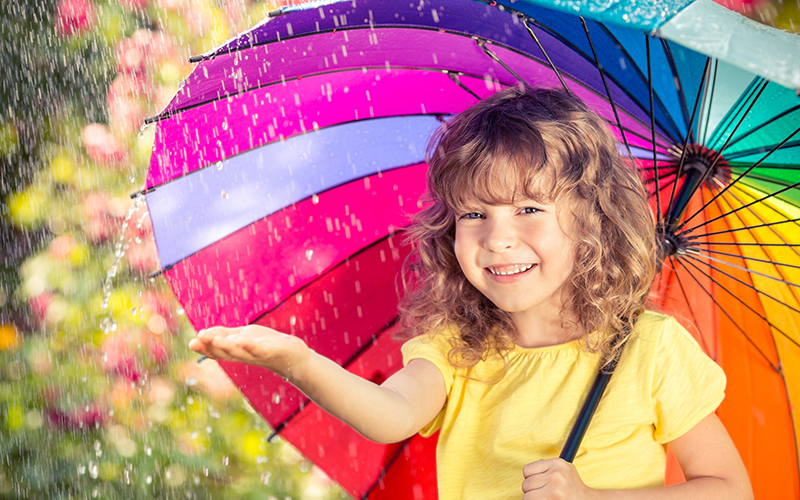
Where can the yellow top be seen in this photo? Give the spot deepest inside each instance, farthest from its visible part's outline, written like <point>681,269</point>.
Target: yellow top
<point>491,427</point>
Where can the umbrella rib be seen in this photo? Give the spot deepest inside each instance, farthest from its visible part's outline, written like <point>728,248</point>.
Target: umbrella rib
<point>744,257</point>
<point>578,50</point>
<point>455,77</point>
<point>688,302</point>
<point>735,181</point>
<point>763,354</point>
<point>608,91</point>
<point>653,129</point>
<point>688,135</point>
<point>635,67</point>
<point>752,287</point>
<point>685,231</point>
<point>546,55</point>
<point>769,180</point>
<point>766,224</point>
<point>764,124</point>
<point>482,44</point>
<point>724,125</point>
<point>752,151</point>
<point>674,68</point>
<point>692,252</point>
<point>713,77</point>
<point>739,299</point>
<point>759,218</point>
<point>719,152</point>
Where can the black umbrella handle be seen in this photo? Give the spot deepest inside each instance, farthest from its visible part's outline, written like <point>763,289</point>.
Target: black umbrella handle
<point>585,416</point>
<point>589,406</point>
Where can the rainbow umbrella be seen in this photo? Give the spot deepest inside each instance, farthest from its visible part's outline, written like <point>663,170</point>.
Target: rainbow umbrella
<point>293,155</point>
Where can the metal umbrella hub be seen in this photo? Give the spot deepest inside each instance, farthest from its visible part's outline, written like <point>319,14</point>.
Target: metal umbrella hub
<point>696,165</point>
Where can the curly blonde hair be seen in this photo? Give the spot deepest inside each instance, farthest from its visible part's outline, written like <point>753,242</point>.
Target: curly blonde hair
<point>558,148</point>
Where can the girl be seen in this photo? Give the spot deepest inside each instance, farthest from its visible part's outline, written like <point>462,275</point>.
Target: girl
<point>533,259</point>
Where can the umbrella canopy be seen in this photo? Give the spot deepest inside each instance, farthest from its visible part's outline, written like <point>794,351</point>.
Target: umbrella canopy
<point>293,155</point>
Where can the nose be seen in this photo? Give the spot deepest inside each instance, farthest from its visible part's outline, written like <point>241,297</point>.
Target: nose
<point>499,235</point>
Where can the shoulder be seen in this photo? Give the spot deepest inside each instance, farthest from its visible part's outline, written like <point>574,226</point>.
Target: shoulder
<point>653,328</point>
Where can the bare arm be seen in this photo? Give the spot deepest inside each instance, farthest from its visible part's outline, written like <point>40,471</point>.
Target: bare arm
<point>388,413</point>
<point>708,457</point>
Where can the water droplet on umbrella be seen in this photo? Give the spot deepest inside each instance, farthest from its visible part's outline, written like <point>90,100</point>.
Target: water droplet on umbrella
<point>276,398</point>
<point>309,253</point>
<point>219,165</point>
<point>225,195</point>
<point>314,199</point>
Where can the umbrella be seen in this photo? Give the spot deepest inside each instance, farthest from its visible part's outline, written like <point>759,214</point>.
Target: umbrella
<point>288,163</point>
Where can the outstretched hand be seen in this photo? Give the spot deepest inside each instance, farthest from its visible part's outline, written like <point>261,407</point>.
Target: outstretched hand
<point>255,345</point>
<point>553,479</point>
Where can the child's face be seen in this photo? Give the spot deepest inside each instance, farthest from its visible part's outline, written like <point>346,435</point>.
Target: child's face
<point>517,255</point>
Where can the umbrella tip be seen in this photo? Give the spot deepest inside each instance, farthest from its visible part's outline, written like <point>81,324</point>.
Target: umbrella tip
<point>275,13</point>
<point>196,59</point>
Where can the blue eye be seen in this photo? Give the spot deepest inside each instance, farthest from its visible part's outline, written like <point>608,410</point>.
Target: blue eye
<point>530,210</point>
<point>472,215</point>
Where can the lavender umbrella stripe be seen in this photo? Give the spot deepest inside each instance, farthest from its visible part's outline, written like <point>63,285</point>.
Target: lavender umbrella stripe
<point>198,209</point>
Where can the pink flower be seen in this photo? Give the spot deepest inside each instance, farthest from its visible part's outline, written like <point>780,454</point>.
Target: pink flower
<point>102,146</point>
<point>74,17</point>
<point>76,419</point>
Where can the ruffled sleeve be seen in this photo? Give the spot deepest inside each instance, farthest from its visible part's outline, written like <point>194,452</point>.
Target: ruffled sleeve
<point>433,348</point>
<point>687,384</point>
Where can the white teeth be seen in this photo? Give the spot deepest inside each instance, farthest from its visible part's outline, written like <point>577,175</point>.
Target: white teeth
<point>514,270</point>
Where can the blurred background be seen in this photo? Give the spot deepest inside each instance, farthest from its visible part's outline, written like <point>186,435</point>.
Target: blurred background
<point>99,396</point>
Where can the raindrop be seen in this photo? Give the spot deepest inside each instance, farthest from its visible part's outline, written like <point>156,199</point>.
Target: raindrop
<point>194,435</point>
<point>225,195</point>
<point>134,311</point>
<point>81,469</point>
<point>225,123</point>
<point>148,451</point>
<point>149,479</point>
<point>219,165</point>
<point>309,253</point>
<point>93,470</point>
<point>108,325</point>
<point>225,460</point>
<point>205,471</point>
<point>276,398</point>
<point>179,311</point>
<point>265,478</point>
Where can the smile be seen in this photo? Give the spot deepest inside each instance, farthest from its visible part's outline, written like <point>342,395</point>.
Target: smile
<point>509,270</point>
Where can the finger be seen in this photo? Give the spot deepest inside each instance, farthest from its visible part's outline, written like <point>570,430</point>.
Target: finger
<point>535,482</point>
<point>228,349</point>
<point>198,347</point>
<point>208,334</point>
<point>538,467</point>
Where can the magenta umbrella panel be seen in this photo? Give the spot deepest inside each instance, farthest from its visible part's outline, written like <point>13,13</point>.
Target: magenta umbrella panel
<point>291,159</point>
